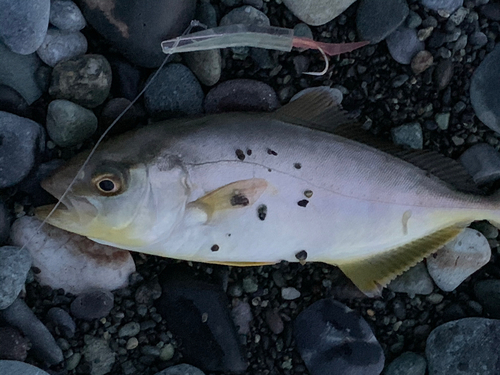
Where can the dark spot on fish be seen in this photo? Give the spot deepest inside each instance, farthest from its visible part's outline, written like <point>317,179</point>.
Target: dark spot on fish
<point>269,170</point>
<point>271,152</point>
<point>240,154</point>
<point>434,255</point>
<point>215,248</point>
<point>301,255</point>
<point>239,200</point>
<point>303,202</point>
<point>36,270</point>
<point>297,165</point>
<point>308,193</point>
<point>229,234</point>
<point>262,212</point>
<point>249,152</point>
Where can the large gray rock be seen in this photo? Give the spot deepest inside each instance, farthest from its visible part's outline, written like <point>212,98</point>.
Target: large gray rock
<point>317,12</point>
<point>464,347</point>
<point>18,72</point>
<point>19,368</point>
<point>485,90</point>
<point>22,142</point>
<point>14,266</point>
<point>375,22</point>
<point>61,45</point>
<point>23,24</point>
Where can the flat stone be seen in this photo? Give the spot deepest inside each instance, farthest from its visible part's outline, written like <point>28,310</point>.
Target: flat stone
<point>13,345</point>
<point>408,135</point>
<point>43,345</point>
<point>414,281</point>
<point>69,124</point>
<point>61,45</point>
<point>92,305</point>
<point>375,22</point>
<point>85,80</point>
<point>459,259</point>
<point>482,161</point>
<point>464,347</point>
<point>19,368</point>
<point>181,369</point>
<point>488,294</point>
<point>174,92</point>
<point>14,266</point>
<point>333,339</point>
<point>23,140</point>
<point>408,363</point>
<point>241,95</point>
<point>196,312</point>
<point>65,15</point>
<point>404,44</point>
<point>98,354</point>
<point>317,12</point>
<point>484,91</point>
<point>23,24</point>
<point>136,28</point>
<point>18,72</point>
<point>72,262</point>
<point>449,6</point>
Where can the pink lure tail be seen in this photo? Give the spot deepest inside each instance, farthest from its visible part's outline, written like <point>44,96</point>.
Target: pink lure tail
<point>330,49</point>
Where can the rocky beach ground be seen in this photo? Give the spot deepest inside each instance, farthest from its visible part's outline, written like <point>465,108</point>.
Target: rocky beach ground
<point>429,80</point>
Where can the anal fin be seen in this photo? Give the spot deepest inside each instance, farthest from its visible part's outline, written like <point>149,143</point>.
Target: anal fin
<point>372,273</point>
<point>242,264</point>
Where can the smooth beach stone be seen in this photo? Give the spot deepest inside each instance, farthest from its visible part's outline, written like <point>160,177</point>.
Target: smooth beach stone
<point>317,12</point>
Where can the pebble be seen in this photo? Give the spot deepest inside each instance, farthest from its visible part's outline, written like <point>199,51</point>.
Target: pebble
<point>413,20</point>
<point>488,294</point>
<point>289,293</point>
<point>422,61</point>
<point>333,339</point>
<point>4,223</point>
<point>404,44</point>
<point>69,124</point>
<point>174,92</point>
<point>317,12</point>
<point>13,345</point>
<point>148,292</point>
<point>19,368</point>
<point>85,80</point>
<point>448,6</point>
<point>206,65</point>
<point>92,305</point>
<point>181,369</point>
<point>98,354</point>
<point>63,321</point>
<point>274,321</point>
<point>23,24</point>
<point>72,262</point>
<point>414,281</point>
<point>482,161</point>
<point>73,361</point>
<point>13,102</point>
<point>14,266</point>
<point>136,28</point>
<point>130,329</point>
<point>132,343</point>
<point>459,259</point>
<point>375,22</point>
<point>241,95</point>
<point>408,135</point>
<point>478,39</point>
<point>22,143</point>
<point>443,73</point>
<point>196,312</point>
<point>242,316</point>
<point>442,120</point>
<point>18,72</point>
<point>250,285</point>
<point>20,316</point>
<point>484,92</point>
<point>303,30</point>
<point>65,15</point>
<point>464,347</point>
<point>167,352</point>
<point>61,45</point>
<point>408,363</point>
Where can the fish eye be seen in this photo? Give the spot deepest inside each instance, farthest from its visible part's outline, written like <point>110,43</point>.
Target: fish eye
<point>108,184</point>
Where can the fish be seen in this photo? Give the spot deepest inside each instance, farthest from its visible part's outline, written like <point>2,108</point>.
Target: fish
<point>301,184</point>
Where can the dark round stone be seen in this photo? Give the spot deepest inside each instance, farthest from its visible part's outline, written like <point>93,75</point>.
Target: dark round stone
<point>92,305</point>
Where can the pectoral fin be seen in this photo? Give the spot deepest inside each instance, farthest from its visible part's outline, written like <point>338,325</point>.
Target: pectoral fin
<point>371,274</point>
<point>235,195</point>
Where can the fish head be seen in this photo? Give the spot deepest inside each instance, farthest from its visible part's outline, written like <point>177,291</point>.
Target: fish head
<point>117,201</point>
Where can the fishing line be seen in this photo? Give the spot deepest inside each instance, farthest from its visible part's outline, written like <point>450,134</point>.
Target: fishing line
<point>101,138</point>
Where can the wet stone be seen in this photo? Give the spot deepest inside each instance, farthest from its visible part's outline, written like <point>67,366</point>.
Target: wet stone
<point>463,347</point>
<point>331,338</point>
<point>65,15</point>
<point>61,45</point>
<point>14,266</point>
<point>13,345</point>
<point>482,162</point>
<point>92,305</point>
<point>63,321</point>
<point>20,316</point>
